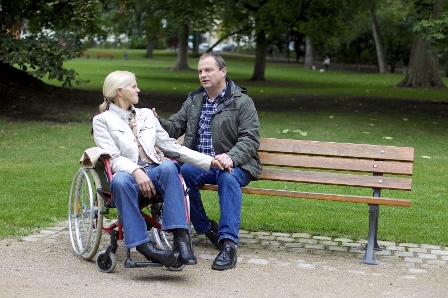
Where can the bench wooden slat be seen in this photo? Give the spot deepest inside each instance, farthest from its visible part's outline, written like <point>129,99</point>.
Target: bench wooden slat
<point>330,163</point>
<point>319,196</point>
<point>376,152</point>
<point>380,182</point>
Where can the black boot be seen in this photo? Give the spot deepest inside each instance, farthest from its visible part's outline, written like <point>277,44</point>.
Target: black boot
<point>180,244</point>
<point>152,253</point>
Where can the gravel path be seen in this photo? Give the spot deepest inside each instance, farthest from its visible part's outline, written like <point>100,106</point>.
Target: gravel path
<point>48,268</point>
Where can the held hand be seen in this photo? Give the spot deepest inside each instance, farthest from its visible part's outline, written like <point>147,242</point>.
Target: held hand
<point>144,183</point>
<point>216,164</point>
<point>154,112</point>
<point>225,161</point>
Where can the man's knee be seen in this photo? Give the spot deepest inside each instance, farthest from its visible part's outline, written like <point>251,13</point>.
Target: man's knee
<point>226,177</point>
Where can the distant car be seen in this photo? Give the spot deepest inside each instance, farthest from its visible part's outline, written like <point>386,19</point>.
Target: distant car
<point>217,48</point>
<point>203,47</point>
<point>228,47</point>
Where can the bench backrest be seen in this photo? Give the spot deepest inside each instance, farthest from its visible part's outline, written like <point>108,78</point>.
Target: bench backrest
<point>371,166</point>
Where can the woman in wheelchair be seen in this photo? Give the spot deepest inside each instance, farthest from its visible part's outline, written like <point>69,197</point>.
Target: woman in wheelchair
<point>130,135</point>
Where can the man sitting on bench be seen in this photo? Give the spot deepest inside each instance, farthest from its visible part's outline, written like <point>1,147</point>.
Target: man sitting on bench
<point>220,120</point>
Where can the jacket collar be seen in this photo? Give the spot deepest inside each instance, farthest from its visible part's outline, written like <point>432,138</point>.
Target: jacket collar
<point>123,114</point>
<point>232,90</point>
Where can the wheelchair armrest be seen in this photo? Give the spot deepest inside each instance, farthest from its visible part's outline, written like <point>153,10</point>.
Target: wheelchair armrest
<point>171,154</point>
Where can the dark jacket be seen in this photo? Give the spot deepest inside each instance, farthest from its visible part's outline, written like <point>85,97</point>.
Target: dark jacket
<point>235,126</point>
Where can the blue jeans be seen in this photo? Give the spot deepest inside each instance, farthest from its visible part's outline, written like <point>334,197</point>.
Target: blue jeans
<point>230,198</point>
<point>126,194</point>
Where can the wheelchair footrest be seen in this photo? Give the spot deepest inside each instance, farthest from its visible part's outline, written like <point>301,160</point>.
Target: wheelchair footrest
<point>129,263</point>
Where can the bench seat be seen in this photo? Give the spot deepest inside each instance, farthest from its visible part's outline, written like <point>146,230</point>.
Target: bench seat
<point>104,54</point>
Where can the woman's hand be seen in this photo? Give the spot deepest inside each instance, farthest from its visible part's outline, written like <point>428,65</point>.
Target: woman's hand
<point>216,164</point>
<point>144,183</point>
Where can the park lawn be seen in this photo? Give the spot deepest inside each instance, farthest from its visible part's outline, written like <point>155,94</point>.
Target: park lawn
<point>155,75</point>
<point>40,159</point>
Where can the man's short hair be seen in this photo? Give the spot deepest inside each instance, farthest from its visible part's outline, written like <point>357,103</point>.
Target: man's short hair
<point>219,60</point>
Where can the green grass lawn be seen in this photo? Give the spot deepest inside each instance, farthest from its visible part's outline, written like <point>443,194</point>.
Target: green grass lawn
<point>40,159</point>
<point>155,75</point>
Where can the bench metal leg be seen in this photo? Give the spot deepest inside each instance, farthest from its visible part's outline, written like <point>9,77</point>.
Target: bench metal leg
<point>369,257</point>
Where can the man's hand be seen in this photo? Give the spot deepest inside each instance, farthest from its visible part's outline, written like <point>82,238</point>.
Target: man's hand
<point>144,183</point>
<point>154,112</point>
<point>225,161</point>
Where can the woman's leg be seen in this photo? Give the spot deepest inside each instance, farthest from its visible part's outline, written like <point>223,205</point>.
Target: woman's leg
<point>125,193</point>
<point>167,181</point>
<point>194,179</point>
<point>126,196</point>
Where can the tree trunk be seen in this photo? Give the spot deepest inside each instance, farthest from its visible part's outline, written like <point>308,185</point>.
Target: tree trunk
<point>260,57</point>
<point>423,70</point>
<point>309,57</point>
<point>196,42</point>
<point>149,49</point>
<point>182,53</point>
<point>377,38</point>
<point>150,44</point>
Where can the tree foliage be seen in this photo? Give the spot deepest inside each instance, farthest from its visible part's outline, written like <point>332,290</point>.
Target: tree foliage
<point>433,26</point>
<point>39,36</point>
<point>186,16</point>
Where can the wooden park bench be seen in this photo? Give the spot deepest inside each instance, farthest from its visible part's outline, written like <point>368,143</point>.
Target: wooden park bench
<point>104,54</point>
<point>374,167</point>
<point>86,54</point>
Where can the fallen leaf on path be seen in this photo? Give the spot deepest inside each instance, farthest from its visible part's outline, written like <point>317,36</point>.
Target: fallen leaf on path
<point>303,133</point>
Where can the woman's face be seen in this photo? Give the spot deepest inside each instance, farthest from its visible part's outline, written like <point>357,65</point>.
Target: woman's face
<point>128,96</point>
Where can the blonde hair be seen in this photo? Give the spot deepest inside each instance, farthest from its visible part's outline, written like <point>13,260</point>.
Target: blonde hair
<point>115,80</point>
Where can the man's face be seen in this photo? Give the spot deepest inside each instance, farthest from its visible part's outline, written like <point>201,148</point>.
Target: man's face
<point>210,76</point>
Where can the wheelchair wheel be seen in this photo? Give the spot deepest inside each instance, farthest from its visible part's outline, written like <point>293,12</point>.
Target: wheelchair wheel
<point>85,219</point>
<point>109,264</point>
<point>164,240</point>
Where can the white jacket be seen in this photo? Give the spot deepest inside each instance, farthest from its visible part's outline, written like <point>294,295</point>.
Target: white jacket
<point>112,132</point>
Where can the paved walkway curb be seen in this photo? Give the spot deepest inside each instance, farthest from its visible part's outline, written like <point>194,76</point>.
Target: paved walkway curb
<point>415,256</point>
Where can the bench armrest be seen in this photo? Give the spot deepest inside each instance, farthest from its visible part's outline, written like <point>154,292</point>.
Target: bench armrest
<point>171,154</point>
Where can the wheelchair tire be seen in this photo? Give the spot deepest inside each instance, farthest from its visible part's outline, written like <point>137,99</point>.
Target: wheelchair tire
<point>163,240</point>
<point>85,219</point>
<point>110,263</point>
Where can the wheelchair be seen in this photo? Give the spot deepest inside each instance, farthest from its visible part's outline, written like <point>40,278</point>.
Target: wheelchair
<point>90,200</point>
